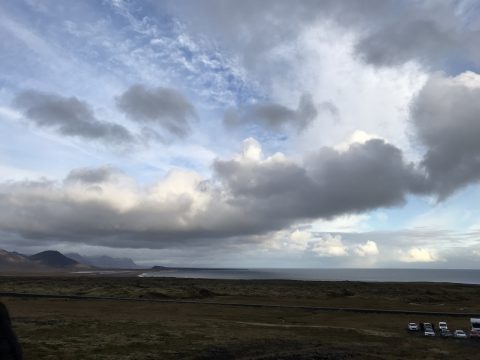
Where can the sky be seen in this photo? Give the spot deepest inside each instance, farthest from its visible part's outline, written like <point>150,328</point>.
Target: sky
<point>248,133</point>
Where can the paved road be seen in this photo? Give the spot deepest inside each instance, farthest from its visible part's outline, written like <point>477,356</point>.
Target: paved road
<point>270,306</point>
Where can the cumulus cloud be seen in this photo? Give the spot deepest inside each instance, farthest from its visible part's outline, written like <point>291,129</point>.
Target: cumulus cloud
<point>100,210</point>
<point>247,195</point>
<point>329,183</point>
<point>446,118</point>
<point>369,248</point>
<point>101,174</point>
<point>330,245</point>
<point>274,116</point>
<point>418,254</point>
<point>160,106</point>
<point>357,137</point>
<point>69,116</point>
<point>299,239</point>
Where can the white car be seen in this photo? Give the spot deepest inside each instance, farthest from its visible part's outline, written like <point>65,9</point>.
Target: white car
<point>460,334</point>
<point>442,325</point>
<point>412,327</point>
<point>429,332</point>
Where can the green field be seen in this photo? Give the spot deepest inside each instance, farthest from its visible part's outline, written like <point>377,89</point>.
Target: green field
<point>100,329</point>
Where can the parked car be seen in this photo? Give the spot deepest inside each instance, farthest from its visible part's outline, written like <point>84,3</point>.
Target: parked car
<point>429,331</point>
<point>412,327</point>
<point>460,334</point>
<point>446,333</point>
<point>442,325</point>
<point>427,325</point>
<point>475,333</point>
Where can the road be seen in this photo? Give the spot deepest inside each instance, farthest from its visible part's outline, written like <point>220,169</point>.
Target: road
<point>250,305</point>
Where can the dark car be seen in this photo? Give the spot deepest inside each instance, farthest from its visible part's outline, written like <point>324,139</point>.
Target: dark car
<point>446,333</point>
<point>475,333</point>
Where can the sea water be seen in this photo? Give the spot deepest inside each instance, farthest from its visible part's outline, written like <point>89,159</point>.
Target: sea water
<point>369,275</point>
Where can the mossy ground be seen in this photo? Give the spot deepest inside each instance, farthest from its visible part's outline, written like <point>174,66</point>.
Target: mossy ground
<point>78,329</point>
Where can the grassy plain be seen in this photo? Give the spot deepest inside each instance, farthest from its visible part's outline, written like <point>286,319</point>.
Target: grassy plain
<point>101,329</point>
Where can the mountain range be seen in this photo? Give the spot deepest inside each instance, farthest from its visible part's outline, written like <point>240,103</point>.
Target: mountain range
<point>104,261</point>
<point>52,260</point>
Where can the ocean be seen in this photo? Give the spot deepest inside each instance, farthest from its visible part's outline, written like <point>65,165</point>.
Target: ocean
<point>368,275</point>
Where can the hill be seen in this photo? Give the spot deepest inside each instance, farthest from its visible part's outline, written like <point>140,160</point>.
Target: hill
<point>44,261</point>
<point>104,261</point>
<point>12,261</point>
<point>53,259</point>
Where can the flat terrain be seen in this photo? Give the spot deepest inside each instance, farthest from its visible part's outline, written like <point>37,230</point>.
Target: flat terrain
<point>104,329</point>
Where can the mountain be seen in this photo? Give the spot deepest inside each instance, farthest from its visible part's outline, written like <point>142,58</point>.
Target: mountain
<point>42,262</point>
<point>104,261</point>
<point>158,267</point>
<point>79,258</point>
<point>10,261</point>
<point>54,259</point>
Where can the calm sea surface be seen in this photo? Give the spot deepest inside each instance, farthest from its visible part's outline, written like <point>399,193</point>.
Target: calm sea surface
<point>386,275</point>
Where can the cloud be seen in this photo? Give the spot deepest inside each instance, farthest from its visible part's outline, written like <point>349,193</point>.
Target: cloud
<point>69,116</point>
<point>160,106</point>
<point>424,40</point>
<point>98,175</point>
<point>417,254</point>
<point>329,183</point>
<point>92,206</point>
<point>275,116</point>
<point>446,119</point>
<point>330,245</point>
<point>254,28</point>
<point>299,239</point>
<point>367,249</point>
<point>357,137</point>
<point>246,195</point>
<point>387,33</point>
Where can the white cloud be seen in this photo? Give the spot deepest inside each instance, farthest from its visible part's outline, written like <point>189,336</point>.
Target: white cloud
<point>378,99</point>
<point>342,223</point>
<point>417,254</point>
<point>357,137</point>
<point>299,239</point>
<point>329,245</point>
<point>252,150</point>
<point>367,249</point>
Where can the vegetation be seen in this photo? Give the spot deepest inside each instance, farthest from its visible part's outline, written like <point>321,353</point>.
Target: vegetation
<point>101,329</point>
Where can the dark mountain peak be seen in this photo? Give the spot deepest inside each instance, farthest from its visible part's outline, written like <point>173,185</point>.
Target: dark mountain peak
<point>53,258</point>
<point>158,267</point>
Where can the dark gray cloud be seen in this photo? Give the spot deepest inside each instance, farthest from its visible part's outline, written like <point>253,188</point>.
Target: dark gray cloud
<point>406,40</point>
<point>389,33</point>
<point>274,116</point>
<point>330,183</point>
<point>446,118</point>
<point>69,116</point>
<point>93,175</point>
<point>161,106</point>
